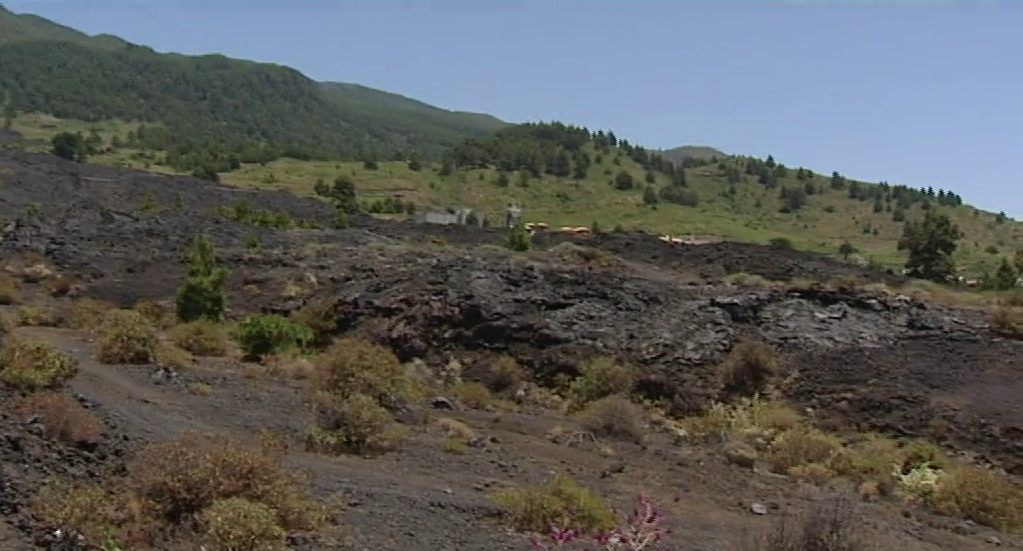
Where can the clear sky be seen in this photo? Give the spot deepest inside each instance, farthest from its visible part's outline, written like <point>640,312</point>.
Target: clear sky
<point>914,92</point>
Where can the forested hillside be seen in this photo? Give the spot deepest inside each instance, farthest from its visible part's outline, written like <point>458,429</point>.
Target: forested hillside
<point>213,112</point>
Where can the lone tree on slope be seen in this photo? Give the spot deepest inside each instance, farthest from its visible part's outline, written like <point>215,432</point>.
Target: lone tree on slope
<point>931,242</point>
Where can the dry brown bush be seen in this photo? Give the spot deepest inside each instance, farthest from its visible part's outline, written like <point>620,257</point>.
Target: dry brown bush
<point>833,524</point>
<point>39,316</point>
<point>175,487</point>
<point>473,395</point>
<point>613,417</point>
<point>353,423</point>
<point>202,338</point>
<point>65,418</point>
<point>980,494</point>
<point>159,315</point>
<point>34,365</point>
<point>59,286</point>
<point>534,507</point>
<point>600,376</point>
<point>803,446</point>
<point>288,365</point>
<point>504,374</point>
<point>356,366</point>
<point>319,316</point>
<point>239,524</point>
<point>9,292</point>
<point>1007,321</point>
<point>748,369</point>
<point>125,337</point>
<point>85,313</point>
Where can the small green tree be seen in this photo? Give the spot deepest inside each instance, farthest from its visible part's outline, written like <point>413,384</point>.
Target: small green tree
<point>518,238</point>
<point>70,146</point>
<point>846,249</point>
<point>1017,261</point>
<point>650,196</point>
<point>1005,276</point>
<point>931,242</point>
<point>202,293</point>
<point>343,195</point>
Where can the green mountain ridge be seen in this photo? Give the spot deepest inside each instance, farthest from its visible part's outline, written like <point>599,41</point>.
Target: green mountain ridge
<point>207,108</point>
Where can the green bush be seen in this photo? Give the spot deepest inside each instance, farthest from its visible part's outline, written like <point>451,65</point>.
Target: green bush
<point>261,334</point>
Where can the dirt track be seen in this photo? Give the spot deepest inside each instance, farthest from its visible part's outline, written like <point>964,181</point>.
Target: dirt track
<point>865,359</point>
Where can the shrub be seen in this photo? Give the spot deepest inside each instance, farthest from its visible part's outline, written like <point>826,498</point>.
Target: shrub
<point>979,494</point>
<point>239,524</point>
<point>202,338</point>
<point>9,293</point>
<point>85,313</point>
<point>613,417</point>
<point>637,532</point>
<point>1007,322</point>
<point>317,315</point>
<point>754,420</point>
<point>5,324</point>
<point>800,447</point>
<point>159,315</point>
<point>534,508</point>
<point>64,418</point>
<point>353,423</point>
<point>518,239</point>
<point>355,366</point>
<point>473,395</point>
<point>832,524</point>
<point>503,374</point>
<point>748,369</point>
<point>126,338</point>
<point>34,365</point>
<point>261,334</point>
<point>175,486</point>
<point>35,316</point>
<point>599,377</point>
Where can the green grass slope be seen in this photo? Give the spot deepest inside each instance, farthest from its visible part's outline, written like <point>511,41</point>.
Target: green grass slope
<point>729,201</point>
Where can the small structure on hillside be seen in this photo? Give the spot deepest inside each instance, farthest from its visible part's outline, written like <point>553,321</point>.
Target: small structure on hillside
<point>459,216</point>
<point>513,215</point>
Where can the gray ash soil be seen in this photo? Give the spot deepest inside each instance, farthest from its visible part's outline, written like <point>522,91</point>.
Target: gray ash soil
<point>860,359</point>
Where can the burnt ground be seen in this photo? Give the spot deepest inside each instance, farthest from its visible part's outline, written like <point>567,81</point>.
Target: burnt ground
<point>862,359</point>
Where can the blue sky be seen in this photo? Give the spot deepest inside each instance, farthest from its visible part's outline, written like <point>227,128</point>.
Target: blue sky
<point>914,92</point>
